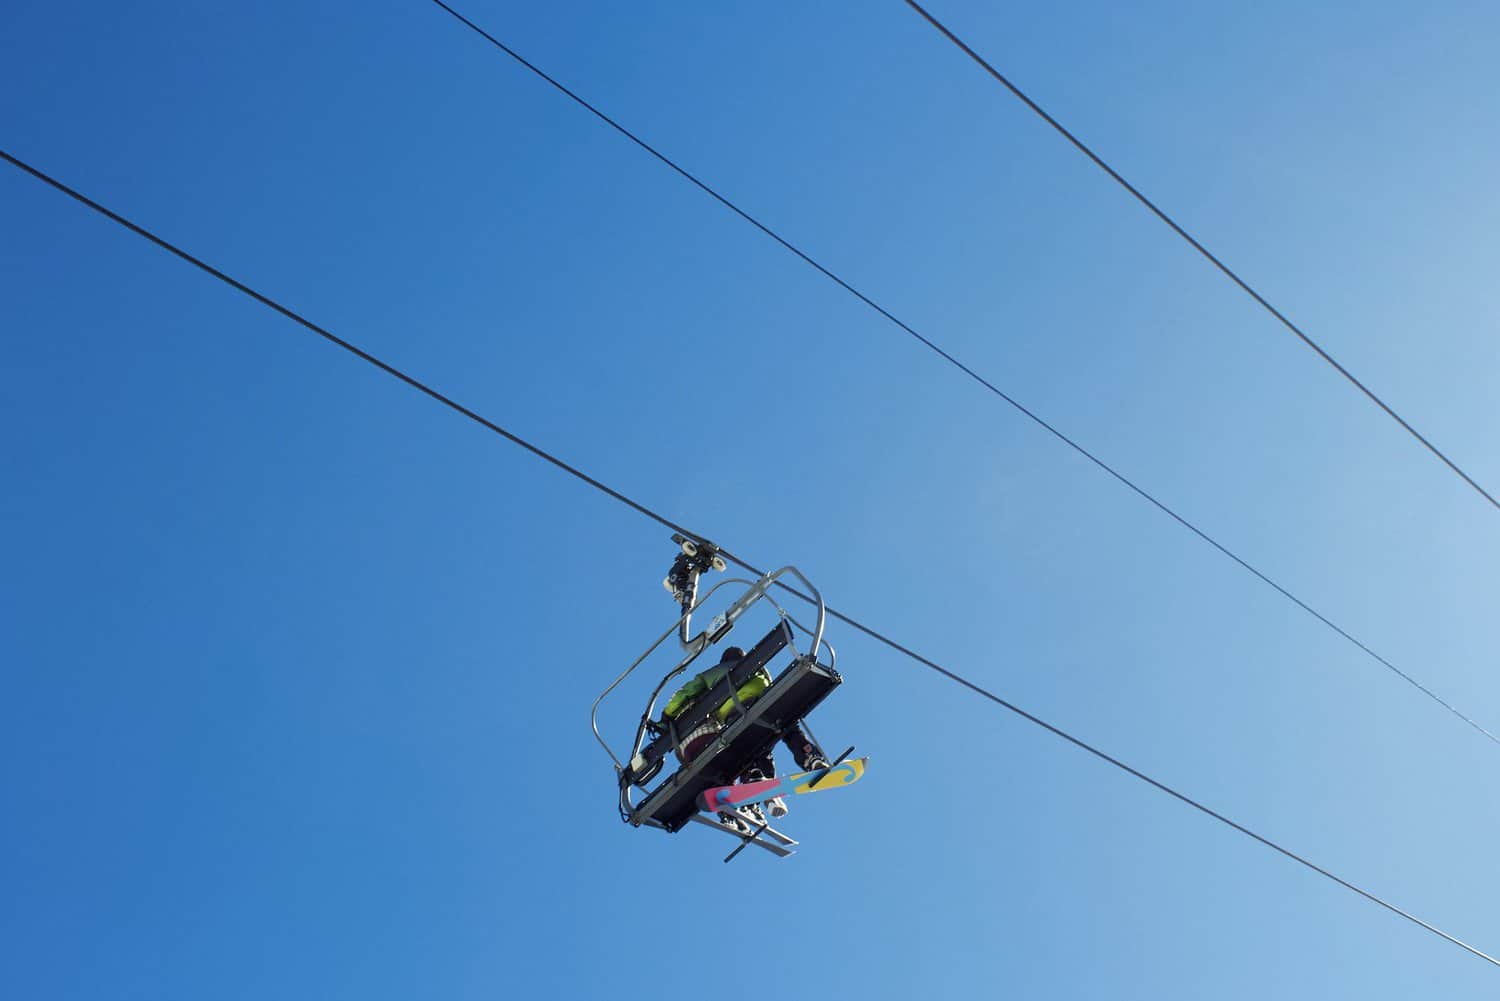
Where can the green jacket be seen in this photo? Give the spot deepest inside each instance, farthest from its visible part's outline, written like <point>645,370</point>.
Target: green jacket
<point>753,688</point>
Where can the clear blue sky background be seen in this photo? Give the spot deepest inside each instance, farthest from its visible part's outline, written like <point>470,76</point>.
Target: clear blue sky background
<point>297,665</point>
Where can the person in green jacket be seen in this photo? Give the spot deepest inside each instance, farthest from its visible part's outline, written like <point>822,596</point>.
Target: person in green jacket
<point>700,684</point>
<point>795,738</point>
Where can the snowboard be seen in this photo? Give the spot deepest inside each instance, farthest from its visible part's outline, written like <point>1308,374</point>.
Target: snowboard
<point>733,797</point>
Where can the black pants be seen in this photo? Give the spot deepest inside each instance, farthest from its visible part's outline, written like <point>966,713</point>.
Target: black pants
<point>796,740</point>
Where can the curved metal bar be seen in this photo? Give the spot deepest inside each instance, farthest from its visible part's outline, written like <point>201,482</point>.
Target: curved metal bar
<point>786,626</point>
<point>594,711</point>
<point>698,643</point>
<point>685,624</point>
<point>833,657</point>
<point>817,597</point>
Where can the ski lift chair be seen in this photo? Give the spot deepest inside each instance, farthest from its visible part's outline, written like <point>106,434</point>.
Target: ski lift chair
<point>747,734</point>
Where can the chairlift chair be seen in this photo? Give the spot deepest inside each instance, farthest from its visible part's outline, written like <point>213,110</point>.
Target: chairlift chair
<point>750,730</point>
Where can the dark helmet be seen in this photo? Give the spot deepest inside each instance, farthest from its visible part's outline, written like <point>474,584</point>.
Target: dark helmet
<point>731,653</point>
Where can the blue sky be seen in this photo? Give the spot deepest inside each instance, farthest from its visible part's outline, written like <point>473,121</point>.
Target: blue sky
<point>298,664</point>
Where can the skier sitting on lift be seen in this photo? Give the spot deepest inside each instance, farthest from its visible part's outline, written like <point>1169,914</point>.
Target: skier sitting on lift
<point>806,753</point>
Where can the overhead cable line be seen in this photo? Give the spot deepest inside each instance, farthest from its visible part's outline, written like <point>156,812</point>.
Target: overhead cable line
<point>1200,248</point>
<point>971,373</point>
<point>665,522</point>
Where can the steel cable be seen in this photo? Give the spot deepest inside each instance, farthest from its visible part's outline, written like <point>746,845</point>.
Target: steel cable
<point>665,522</point>
<point>1200,248</point>
<point>971,373</point>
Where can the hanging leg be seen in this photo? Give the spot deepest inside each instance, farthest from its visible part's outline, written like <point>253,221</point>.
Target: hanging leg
<point>808,755</point>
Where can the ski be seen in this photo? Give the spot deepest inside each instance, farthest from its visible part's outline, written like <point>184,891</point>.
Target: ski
<point>775,842</point>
